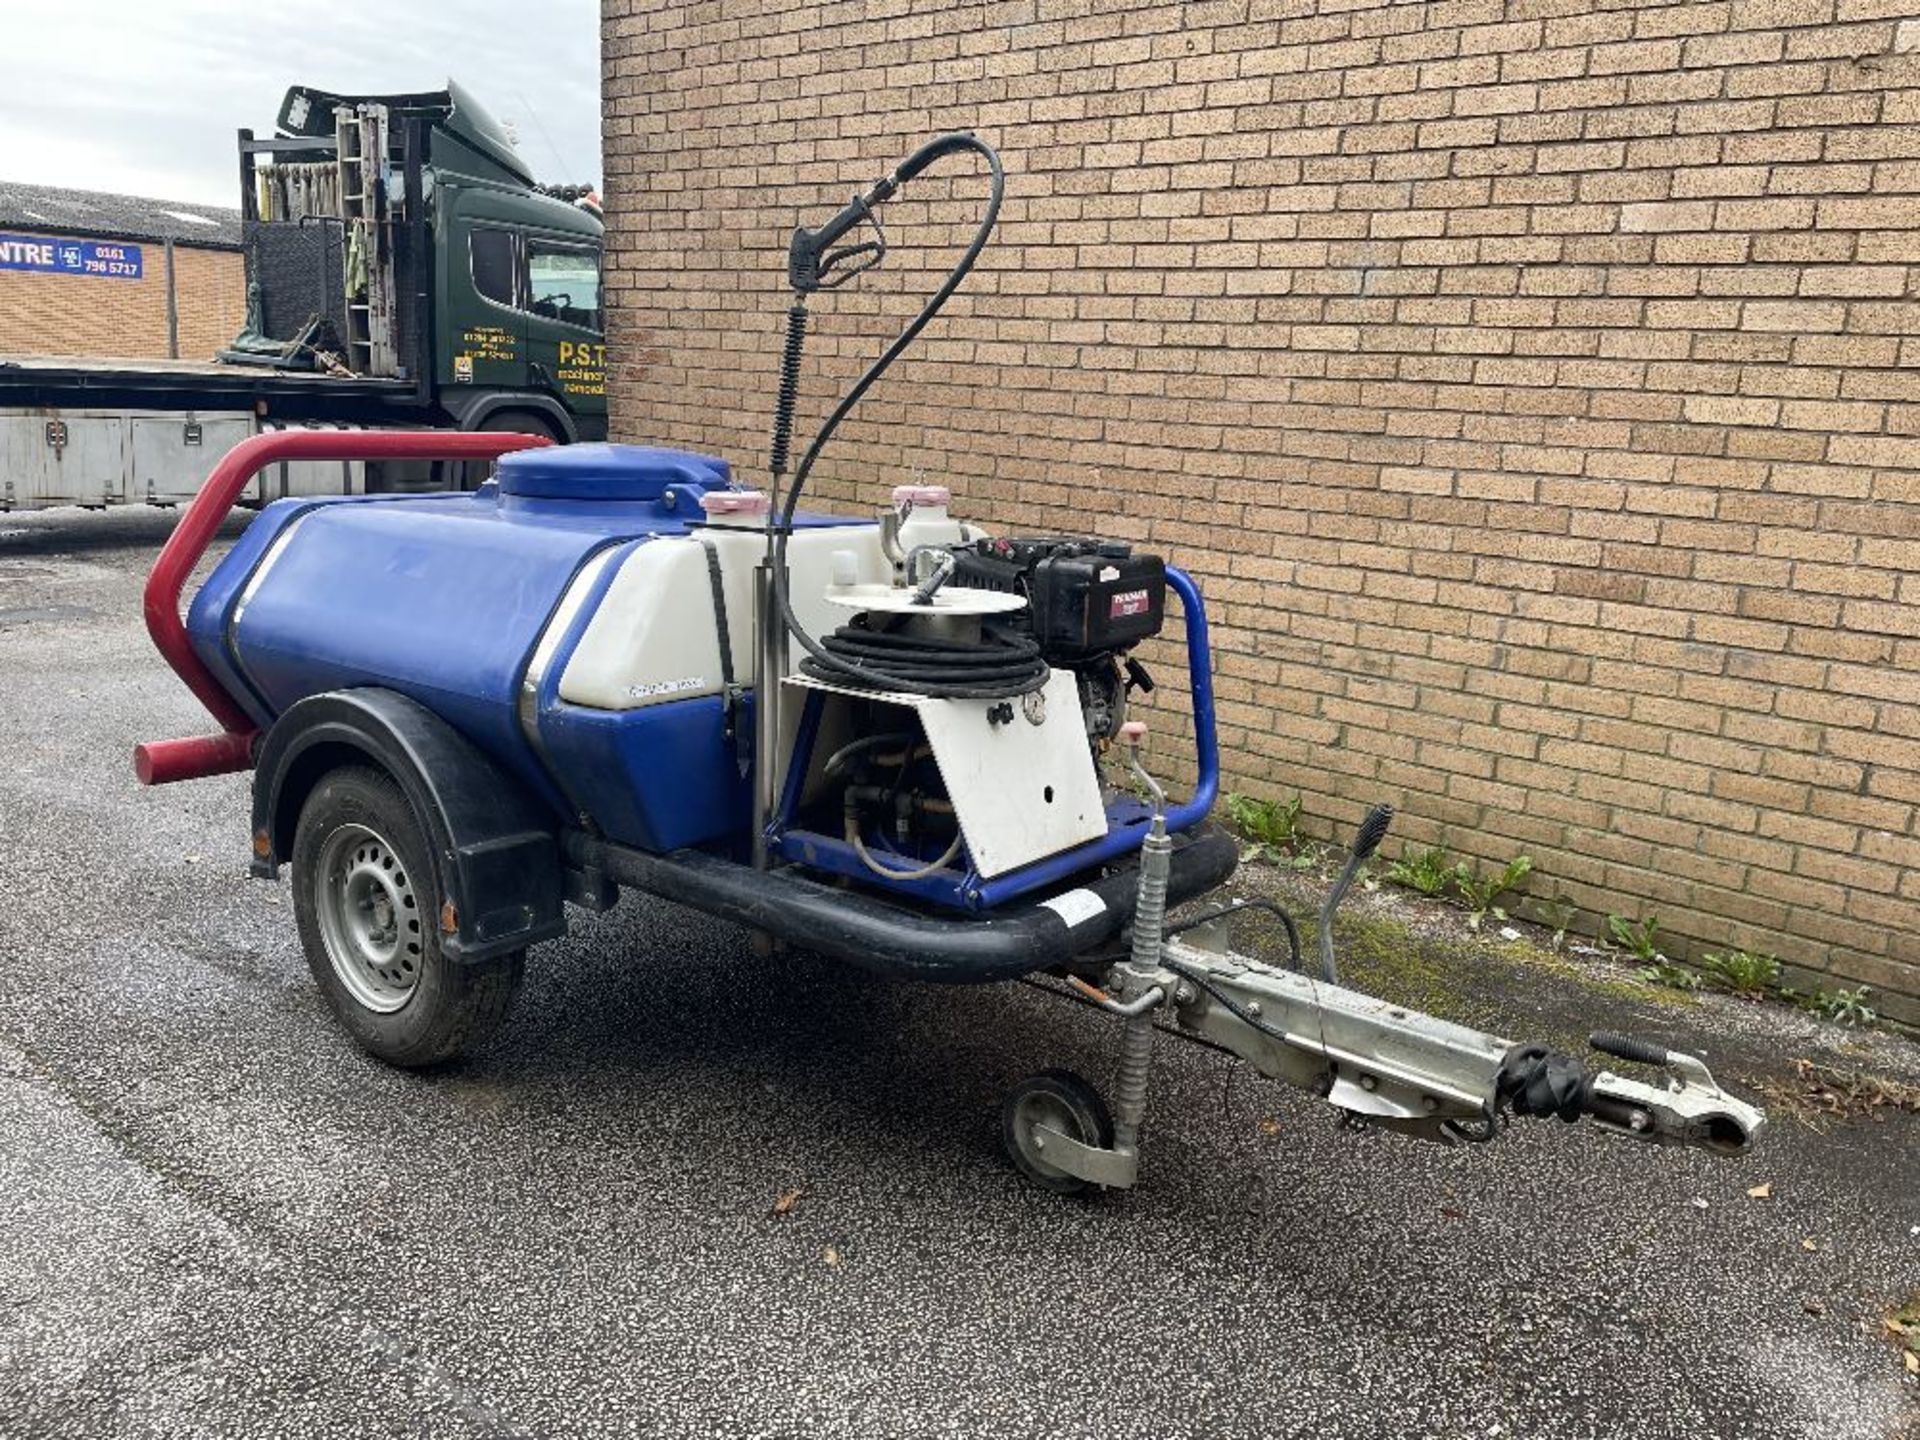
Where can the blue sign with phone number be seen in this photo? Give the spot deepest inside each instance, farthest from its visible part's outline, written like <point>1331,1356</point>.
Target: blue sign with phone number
<point>69,257</point>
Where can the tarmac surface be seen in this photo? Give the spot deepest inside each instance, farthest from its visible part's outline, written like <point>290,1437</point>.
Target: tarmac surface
<point>218,1218</point>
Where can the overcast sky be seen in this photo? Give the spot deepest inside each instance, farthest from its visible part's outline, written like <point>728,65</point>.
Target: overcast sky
<point>143,97</point>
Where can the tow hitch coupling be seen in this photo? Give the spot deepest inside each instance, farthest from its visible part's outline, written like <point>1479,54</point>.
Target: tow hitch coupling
<point>1381,1064</point>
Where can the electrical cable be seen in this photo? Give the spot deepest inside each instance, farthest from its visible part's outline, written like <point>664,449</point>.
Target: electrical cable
<point>1004,665</point>
<point>1233,1007</point>
<point>1239,907</point>
<point>1537,1081</point>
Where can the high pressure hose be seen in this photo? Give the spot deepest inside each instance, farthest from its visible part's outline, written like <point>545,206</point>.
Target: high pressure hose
<point>1000,664</point>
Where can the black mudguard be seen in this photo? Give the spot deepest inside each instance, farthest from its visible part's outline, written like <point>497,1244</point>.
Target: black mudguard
<point>497,849</point>
<point>471,408</point>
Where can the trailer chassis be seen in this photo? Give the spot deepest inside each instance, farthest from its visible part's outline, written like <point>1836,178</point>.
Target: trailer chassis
<point>1378,1063</point>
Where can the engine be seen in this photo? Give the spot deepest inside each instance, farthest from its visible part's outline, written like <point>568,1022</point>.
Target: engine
<point>1089,602</point>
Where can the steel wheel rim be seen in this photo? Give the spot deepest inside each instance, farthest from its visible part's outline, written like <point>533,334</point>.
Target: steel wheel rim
<point>369,918</point>
<point>1044,1108</point>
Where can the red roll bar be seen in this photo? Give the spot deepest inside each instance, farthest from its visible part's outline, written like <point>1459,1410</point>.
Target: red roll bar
<point>159,762</point>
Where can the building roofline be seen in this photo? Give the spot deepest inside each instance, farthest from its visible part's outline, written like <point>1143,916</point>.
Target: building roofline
<point>55,211</point>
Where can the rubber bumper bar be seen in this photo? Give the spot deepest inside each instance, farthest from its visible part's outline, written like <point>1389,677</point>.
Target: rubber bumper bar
<point>877,934</point>
<point>159,762</point>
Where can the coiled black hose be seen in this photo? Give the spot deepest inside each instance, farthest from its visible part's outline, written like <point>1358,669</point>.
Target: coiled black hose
<point>994,667</point>
<point>1000,664</point>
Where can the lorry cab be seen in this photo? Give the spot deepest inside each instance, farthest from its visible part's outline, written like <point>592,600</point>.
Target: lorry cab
<point>519,296</point>
<point>403,267</point>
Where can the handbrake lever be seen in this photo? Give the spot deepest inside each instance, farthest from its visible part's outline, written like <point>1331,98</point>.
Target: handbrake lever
<point>1366,840</point>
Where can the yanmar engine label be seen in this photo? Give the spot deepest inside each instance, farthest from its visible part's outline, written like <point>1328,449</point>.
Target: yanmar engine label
<point>1127,602</point>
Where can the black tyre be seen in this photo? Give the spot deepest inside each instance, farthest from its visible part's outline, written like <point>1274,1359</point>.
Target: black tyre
<point>1065,1102</point>
<point>367,901</point>
<point>472,474</point>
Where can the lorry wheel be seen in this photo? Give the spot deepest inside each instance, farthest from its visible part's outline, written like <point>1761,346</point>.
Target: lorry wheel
<point>1062,1101</point>
<point>367,901</point>
<point>472,474</point>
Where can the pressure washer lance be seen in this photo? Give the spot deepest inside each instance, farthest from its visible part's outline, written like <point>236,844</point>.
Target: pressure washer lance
<point>1372,831</point>
<point>1149,924</point>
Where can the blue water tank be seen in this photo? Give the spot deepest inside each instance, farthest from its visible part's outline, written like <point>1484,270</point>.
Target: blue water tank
<point>440,597</point>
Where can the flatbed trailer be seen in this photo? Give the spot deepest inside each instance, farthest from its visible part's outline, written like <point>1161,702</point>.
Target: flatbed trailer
<point>106,382</point>
<point>404,270</point>
<point>103,432</point>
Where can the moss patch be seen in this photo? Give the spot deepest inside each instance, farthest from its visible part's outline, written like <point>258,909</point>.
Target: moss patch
<point>1419,954</point>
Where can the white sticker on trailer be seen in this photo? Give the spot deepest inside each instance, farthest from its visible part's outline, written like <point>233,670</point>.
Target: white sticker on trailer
<point>1076,907</point>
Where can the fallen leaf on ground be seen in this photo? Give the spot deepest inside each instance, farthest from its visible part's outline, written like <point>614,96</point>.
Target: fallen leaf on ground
<point>1809,1244</point>
<point>830,1255</point>
<point>1698,1203</point>
<point>1912,1361</point>
<point>1761,1192</point>
<point>783,1203</point>
<point>1269,1126</point>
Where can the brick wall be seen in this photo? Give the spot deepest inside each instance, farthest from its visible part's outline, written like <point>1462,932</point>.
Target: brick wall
<point>1533,384</point>
<point>211,293</point>
<point>46,314</point>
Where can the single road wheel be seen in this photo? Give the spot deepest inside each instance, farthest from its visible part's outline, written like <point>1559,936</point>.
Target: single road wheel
<point>472,474</point>
<point>367,901</point>
<point>1062,1101</point>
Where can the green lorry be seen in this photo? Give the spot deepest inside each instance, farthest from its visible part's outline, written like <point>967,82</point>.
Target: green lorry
<point>403,268</point>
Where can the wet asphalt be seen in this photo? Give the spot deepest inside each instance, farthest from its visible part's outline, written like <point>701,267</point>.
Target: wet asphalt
<point>217,1218</point>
